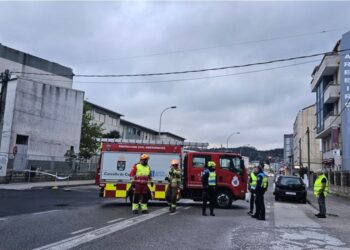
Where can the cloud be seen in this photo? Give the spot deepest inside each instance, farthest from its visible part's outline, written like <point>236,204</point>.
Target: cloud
<point>114,37</point>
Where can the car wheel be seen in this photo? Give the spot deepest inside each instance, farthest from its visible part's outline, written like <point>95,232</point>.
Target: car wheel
<point>303,201</point>
<point>276,198</point>
<point>224,199</point>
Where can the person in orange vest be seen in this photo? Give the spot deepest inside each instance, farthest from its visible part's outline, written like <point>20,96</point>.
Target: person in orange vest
<point>174,179</point>
<point>140,175</point>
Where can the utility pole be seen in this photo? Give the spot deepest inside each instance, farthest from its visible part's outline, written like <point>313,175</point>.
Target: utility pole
<point>300,153</point>
<point>308,152</point>
<point>4,77</point>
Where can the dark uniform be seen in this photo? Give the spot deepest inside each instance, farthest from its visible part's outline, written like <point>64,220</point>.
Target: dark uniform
<point>261,187</point>
<point>209,188</point>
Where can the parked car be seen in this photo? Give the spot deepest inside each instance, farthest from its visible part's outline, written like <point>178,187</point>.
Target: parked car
<point>290,187</point>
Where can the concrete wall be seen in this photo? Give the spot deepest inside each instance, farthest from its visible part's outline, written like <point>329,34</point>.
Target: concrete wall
<point>18,61</point>
<point>306,118</point>
<point>16,67</point>
<point>51,116</point>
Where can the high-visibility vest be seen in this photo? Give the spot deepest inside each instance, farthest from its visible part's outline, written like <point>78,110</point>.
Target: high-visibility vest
<point>253,180</point>
<point>318,186</point>
<point>142,171</point>
<point>212,179</point>
<point>265,180</point>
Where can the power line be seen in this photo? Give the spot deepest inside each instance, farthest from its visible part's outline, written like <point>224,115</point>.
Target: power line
<point>190,79</point>
<point>214,47</point>
<point>191,71</point>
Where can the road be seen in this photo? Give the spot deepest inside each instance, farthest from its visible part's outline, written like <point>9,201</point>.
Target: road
<point>78,219</point>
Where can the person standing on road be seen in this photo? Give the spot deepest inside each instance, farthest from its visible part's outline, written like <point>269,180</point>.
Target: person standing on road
<point>261,187</point>
<point>174,179</point>
<point>209,188</point>
<point>321,191</point>
<point>251,188</point>
<point>141,175</point>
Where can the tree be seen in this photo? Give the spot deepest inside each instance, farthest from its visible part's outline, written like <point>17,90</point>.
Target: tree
<point>89,132</point>
<point>113,134</point>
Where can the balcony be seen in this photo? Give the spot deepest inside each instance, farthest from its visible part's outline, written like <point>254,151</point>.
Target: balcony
<point>332,93</point>
<point>329,65</point>
<point>332,120</point>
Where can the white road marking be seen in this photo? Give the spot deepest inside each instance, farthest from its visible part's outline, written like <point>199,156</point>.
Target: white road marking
<point>101,232</point>
<point>3,218</point>
<point>112,221</point>
<point>46,212</point>
<point>187,208</point>
<point>81,230</point>
<point>173,213</point>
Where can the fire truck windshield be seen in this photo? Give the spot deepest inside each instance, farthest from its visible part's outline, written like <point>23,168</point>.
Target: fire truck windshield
<point>232,163</point>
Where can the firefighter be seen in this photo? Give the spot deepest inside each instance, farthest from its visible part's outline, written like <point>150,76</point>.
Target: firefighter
<point>209,186</point>
<point>261,187</point>
<point>251,188</point>
<point>141,175</point>
<point>321,191</point>
<point>174,179</point>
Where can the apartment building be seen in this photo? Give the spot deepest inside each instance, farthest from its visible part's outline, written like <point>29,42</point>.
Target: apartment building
<point>331,83</point>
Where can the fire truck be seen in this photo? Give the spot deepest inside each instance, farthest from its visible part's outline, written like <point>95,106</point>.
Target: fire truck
<point>118,157</point>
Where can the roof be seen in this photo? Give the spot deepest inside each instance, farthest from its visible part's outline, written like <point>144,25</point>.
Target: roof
<point>35,62</point>
<point>172,135</point>
<point>123,121</point>
<point>102,108</point>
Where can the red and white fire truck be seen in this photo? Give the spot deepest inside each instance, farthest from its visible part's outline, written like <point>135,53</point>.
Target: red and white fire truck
<point>118,157</point>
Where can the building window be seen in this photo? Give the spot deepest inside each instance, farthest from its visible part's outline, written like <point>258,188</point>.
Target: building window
<point>22,139</point>
<point>114,121</point>
<point>100,117</point>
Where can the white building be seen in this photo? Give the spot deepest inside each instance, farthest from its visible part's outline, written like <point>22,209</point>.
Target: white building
<point>306,119</point>
<point>40,115</point>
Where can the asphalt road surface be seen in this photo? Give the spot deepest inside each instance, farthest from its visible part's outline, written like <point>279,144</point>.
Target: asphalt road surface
<point>79,219</point>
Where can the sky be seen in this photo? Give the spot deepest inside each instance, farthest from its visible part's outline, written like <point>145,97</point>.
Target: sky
<point>260,102</point>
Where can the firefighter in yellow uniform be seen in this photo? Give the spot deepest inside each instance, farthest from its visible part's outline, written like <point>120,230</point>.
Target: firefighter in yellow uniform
<point>141,175</point>
<point>321,191</point>
<point>174,179</point>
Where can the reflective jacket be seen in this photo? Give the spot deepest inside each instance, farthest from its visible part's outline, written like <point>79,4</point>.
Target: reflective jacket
<point>318,185</point>
<point>140,175</point>
<point>262,182</point>
<point>208,176</point>
<point>175,177</point>
<point>252,181</point>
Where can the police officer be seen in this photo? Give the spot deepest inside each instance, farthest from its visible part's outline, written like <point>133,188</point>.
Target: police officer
<point>174,179</point>
<point>141,175</point>
<point>251,188</point>
<point>209,188</point>
<point>321,191</point>
<point>261,187</point>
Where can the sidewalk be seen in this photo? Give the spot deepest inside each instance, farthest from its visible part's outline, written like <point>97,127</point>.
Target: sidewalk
<point>31,185</point>
<point>335,205</point>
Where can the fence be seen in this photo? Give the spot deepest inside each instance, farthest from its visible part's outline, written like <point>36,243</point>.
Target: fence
<point>24,168</point>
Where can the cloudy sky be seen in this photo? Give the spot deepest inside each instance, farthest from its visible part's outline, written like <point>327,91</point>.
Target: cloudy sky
<point>261,102</point>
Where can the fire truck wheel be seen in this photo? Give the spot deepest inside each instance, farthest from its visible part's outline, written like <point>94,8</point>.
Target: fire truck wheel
<point>224,199</point>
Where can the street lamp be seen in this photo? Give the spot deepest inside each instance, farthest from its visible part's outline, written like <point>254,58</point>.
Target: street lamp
<point>228,138</point>
<point>160,119</point>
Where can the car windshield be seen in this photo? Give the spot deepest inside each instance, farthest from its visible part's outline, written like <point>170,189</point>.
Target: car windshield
<point>290,181</point>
